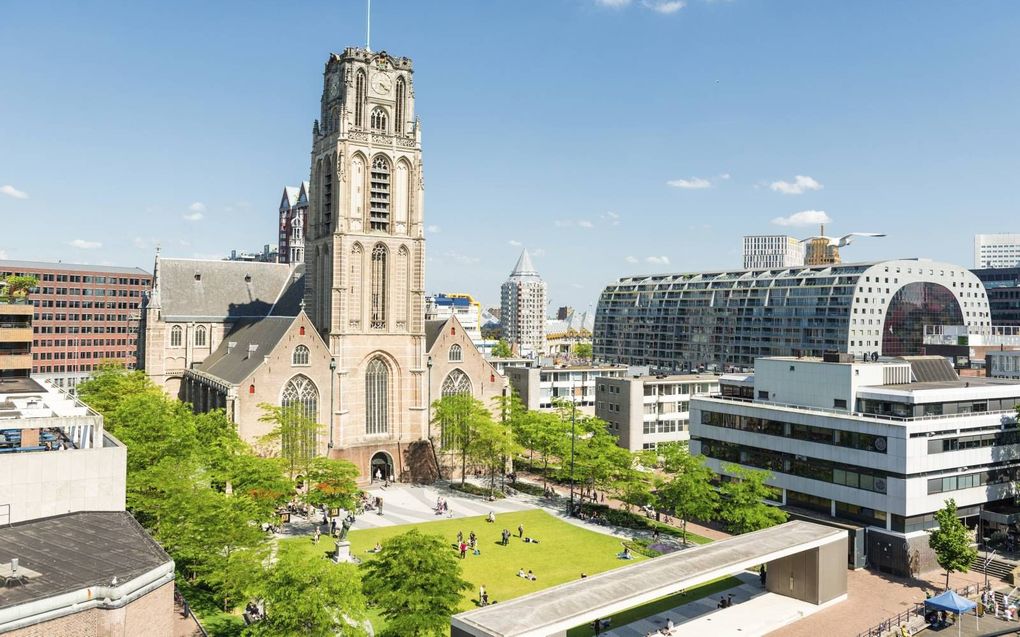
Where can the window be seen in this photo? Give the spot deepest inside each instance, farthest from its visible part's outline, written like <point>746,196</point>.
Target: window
<point>377,379</point>
<point>200,336</point>
<point>301,396</point>
<point>300,356</point>
<point>379,119</point>
<point>456,355</point>
<point>379,203</point>
<point>398,119</point>
<point>359,98</point>
<point>176,336</point>
<point>456,383</point>
<point>379,287</point>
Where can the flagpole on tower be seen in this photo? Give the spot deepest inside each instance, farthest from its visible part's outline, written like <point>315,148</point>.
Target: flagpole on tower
<point>368,28</point>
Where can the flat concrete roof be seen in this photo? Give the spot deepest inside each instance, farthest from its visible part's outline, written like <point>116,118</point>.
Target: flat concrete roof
<point>581,601</point>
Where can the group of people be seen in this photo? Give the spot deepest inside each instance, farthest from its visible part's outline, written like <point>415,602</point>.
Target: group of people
<point>725,602</point>
<point>665,630</point>
<point>529,575</point>
<point>442,506</point>
<point>471,543</point>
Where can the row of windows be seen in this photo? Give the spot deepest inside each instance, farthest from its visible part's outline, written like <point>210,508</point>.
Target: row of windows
<point>664,426</point>
<point>971,480</point>
<point>997,439</point>
<point>99,305</point>
<point>87,329</point>
<point>47,316</point>
<point>77,278</point>
<point>797,465</point>
<point>89,292</point>
<point>80,342</point>
<point>810,433</point>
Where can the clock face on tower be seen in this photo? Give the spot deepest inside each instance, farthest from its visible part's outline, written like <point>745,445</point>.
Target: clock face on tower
<point>381,84</point>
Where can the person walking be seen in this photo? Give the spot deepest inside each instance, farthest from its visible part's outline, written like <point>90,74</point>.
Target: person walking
<point>762,575</point>
<point>463,550</point>
<point>520,530</point>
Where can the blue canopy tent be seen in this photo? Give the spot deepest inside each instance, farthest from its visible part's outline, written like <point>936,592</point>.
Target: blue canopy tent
<point>951,603</point>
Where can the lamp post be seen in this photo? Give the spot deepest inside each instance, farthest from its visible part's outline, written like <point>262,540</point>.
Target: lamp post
<point>332,411</point>
<point>428,393</point>
<point>573,420</point>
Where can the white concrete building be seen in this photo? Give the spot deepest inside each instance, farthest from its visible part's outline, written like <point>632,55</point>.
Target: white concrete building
<point>879,444</point>
<point>439,307</point>
<point>522,308</point>
<point>996,250</point>
<point>763,251</point>
<point>540,388</point>
<point>646,411</point>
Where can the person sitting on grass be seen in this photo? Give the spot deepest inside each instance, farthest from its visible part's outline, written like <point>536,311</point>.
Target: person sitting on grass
<point>625,555</point>
<point>520,573</point>
<point>531,576</point>
<point>530,540</point>
<point>377,549</point>
<point>492,517</point>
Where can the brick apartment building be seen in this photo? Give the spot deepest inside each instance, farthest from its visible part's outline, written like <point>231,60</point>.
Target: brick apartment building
<point>84,315</point>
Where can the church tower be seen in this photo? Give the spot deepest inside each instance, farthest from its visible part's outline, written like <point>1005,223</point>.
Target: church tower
<point>365,257</point>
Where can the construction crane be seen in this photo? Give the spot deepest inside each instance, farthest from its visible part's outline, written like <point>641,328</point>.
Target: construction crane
<point>824,250</point>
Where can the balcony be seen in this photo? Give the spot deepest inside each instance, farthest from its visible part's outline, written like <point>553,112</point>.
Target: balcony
<point>17,334</point>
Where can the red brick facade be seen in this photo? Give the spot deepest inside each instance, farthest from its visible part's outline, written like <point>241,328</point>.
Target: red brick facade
<point>151,615</point>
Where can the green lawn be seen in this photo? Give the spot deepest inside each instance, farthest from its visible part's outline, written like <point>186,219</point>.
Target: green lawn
<point>564,551</point>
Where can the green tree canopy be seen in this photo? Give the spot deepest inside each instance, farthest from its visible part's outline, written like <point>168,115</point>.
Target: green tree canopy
<point>460,417</point>
<point>18,286</point>
<point>294,435</point>
<point>332,484</point>
<point>309,595</point>
<point>416,581</point>
<point>502,350</point>
<point>743,508</point>
<point>583,350</point>
<point>951,542</point>
<point>688,492</point>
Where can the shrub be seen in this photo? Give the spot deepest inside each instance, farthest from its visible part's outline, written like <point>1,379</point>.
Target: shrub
<point>527,487</point>
<point>641,548</point>
<point>469,488</point>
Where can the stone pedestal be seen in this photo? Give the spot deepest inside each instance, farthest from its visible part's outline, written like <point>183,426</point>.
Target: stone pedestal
<point>343,552</point>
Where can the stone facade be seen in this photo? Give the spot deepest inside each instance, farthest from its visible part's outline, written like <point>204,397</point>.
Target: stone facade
<point>365,254</point>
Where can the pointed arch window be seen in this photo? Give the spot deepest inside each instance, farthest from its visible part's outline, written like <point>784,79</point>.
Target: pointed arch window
<point>456,354</point>
<point>359,98</point>
<point>327,194</point>
<point>377,381</point>
<point>200,336</point>
<point>176,336</point>
<point>456,383</point>
<point>379,287</point>
<point>300,399</point>
<point>398,111</point>
<point>379,119</point>
<point>379,193</point>
<point>300,355</point>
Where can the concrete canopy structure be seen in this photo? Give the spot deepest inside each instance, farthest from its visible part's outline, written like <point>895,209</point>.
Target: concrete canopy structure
<point>805,561</point>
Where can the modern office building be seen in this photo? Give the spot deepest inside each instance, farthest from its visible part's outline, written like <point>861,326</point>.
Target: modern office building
<point>72,560</point>
<point>522,308</point>
<point>878,444</point>
<point>85,315</point>
<point>540,388</point>
<point>967,346</point>
<point>708,320</point>
<point>293,211</point>
<point>1003,364</point>
<point>772,251</point>
<point>996,250</point>
<point>468,311</point>
<point>1003,286</point>
<point>646,411</point>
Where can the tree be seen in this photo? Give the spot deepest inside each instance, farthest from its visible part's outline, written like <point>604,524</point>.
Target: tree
<point>743,508</point>
<point>689,493</point>
<point>110,384</point>
<point>309,595</point>
<point>951,542</point>
<point>332,484</point>
<point>294,435</point>
<point>551,439</point>
<point>599,463</point>
<point>416,581</point>
<point>460,416</point>
<point>493,444</point>
<point>18,286</point>
<point>502,350</point>
<point>583,350</point>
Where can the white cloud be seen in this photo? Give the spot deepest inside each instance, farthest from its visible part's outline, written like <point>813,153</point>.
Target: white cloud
<point>694,183</point>
<point>198,206</point>
<point>515,243</point>
<point>433,229</point>
<point>612,215</point>
<point>799,185</point>
<point>584,223</point>
<point>657,260</point>
<point>664,7</point>
<point>631,259</point>
<point>85,245</point>
<point>11,191</point>
<point>193,216</point>
<point>614,4</point>
<point>803,218</point>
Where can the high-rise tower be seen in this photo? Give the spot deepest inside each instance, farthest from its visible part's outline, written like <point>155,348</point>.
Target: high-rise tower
<point>522,308</point>
<point>365,256</point>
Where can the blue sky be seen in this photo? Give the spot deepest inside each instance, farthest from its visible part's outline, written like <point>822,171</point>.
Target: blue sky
<point>610,137</point>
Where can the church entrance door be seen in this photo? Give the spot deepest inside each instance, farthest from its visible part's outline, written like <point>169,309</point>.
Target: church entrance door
<point>382,466</point>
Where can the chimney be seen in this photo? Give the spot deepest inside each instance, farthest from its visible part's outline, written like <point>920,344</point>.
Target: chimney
<point>230,346</point>
<point>14,566</point>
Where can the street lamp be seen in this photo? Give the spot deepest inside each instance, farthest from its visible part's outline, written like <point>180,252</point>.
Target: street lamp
<point>332,411</point>
<point>573,419</point>
<point>428,393</point>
